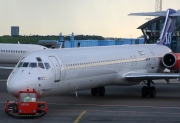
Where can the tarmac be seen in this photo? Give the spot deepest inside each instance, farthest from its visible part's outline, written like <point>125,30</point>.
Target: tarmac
<point>119,105</point>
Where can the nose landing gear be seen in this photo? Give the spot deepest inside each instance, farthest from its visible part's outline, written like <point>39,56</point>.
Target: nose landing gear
<point>148,90</point>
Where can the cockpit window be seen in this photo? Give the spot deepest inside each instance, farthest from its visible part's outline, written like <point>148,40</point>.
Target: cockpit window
<point>20,64</point>
<point>47,65</point>
<point>25,64</point>
<point>33,65</point>
<point>41,65</point>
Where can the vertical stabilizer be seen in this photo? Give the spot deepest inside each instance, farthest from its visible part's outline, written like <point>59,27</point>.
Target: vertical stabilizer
<point>169,24</point>
<point>168,29</point>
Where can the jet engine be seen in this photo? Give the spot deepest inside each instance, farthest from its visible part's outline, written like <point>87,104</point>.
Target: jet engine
<point>171,61</point>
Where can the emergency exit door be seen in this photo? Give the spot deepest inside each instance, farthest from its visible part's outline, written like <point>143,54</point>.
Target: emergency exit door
<point>56,69</point>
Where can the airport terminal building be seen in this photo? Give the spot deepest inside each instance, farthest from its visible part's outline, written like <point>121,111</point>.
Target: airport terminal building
<point>152,30</point>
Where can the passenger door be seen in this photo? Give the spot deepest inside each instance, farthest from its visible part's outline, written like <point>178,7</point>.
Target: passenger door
<point>57,68</point>
<point>153,60</point>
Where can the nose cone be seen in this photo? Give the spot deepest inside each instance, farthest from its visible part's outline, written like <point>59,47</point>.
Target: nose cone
<point>12,89</point>
<point>16,83</point>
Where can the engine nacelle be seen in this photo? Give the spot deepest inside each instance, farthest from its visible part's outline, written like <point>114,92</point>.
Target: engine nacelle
<point>171,61</point>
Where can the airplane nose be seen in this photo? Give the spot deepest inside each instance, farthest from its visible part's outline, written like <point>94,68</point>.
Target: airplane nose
<point>14,85</point>
<point>13,90</point>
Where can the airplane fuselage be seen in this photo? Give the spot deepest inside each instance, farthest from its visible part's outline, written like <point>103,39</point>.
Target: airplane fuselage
<point>85,68</point>
<point>12,53</point>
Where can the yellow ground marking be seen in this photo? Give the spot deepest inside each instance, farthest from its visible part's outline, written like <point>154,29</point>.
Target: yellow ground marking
<point>79,117</point>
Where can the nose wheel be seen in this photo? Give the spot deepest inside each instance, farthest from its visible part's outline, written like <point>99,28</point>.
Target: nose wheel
<point>148,90</point>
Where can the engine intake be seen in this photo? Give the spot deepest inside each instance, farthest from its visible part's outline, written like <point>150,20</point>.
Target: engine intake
<point>171,61</point>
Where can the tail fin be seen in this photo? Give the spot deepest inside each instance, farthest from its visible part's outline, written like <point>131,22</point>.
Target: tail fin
<point>169,25</point>
<point>168,28</point>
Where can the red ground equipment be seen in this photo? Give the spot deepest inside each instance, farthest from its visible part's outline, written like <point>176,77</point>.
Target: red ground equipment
<point>27,105</point>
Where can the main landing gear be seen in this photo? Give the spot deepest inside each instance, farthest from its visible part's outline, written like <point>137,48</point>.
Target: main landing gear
<point>98,91</point>
<point>148,90</point>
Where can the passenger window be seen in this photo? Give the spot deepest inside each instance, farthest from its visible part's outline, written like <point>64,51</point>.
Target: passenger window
<point>47,65</point>
<point>33,65</point>
<point>25,64</point>
<point>41,65</point>
<point>20,64</point>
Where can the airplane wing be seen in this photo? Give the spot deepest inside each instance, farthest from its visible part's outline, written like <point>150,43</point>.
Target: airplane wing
<point>8,68</point>
<point>151,76</point>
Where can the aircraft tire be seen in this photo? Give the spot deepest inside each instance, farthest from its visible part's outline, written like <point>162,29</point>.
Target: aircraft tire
<point>144,91</point>
<point>152,92</point>
<point>94,91</point>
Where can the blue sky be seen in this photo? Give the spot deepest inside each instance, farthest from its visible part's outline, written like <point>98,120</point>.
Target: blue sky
<point>108,18</point>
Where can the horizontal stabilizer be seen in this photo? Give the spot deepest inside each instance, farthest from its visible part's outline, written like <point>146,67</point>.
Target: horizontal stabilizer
<point>176,14</point>
<point>160,13</point>
<point>151,76</point>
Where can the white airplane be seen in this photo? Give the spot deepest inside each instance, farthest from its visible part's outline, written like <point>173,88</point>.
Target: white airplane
<point>54,72</point>
<point>12,53</point>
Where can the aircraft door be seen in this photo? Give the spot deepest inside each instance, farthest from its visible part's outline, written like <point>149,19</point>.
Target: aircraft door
<point>134,62</point>
<point>57,68</point>
<point>153,61</point>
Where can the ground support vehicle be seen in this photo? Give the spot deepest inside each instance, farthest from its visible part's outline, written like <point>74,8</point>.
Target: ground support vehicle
<point>27,105</point>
